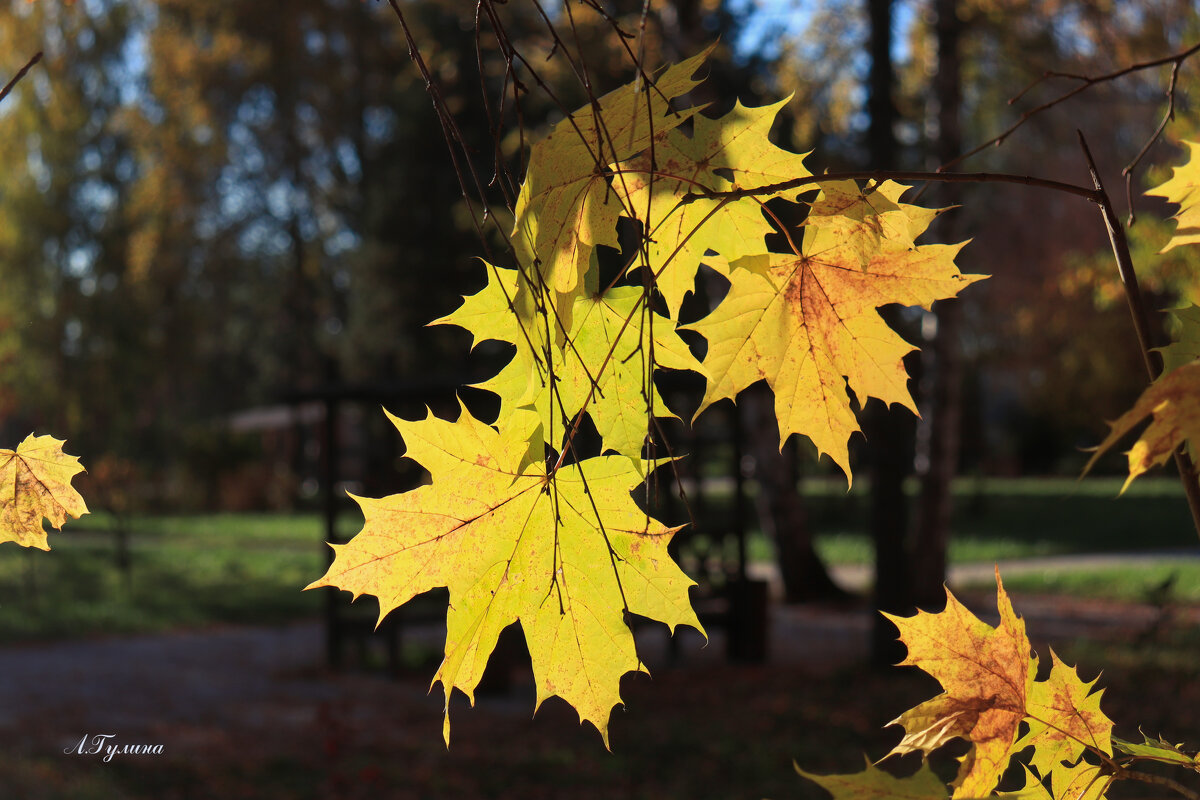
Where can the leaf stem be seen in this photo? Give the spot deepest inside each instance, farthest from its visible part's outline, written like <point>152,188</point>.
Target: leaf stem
<point>1141,326</point>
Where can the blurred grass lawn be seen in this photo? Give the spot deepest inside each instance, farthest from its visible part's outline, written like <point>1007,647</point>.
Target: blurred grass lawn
<point>250,568</point>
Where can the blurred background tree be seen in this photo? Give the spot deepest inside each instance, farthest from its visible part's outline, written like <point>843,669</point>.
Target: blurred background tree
<point>210,205</point>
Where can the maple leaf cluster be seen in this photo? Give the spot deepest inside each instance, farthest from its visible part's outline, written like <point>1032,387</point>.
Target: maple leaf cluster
<point>519,523</point>
<point>993,699</point>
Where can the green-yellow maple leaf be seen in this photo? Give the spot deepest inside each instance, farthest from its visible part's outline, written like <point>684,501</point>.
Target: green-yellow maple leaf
<point>566,555</point>
<point>1183,189</point>
<point>1158,750</point>
<point>987,674</point>
<point>875,784</point>
<point>1174,402</point>
<point>1063,718</point>
<point>35,482</point>
<point>566,206</point>
<point>724,154</point>
<point>808,324</point>
<point>603,367</point>
<point>1186,346</point>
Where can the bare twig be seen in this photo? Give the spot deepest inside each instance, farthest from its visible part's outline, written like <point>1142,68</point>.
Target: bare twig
<point>1162,126</point>
<point>1160,780</point>
<point>895,175</point>
<point>1086,82</point>
<point>8,87</point>
<point>1141,326</point>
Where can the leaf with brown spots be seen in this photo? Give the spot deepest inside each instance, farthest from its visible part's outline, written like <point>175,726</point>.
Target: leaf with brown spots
<point>987,674</point>
<point>808,323</point>
<point>568,555</point>
<point>35,483</point>
<point>1064,719</point>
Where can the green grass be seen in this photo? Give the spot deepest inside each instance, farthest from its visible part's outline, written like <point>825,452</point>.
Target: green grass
<point>184,571</point>
<point>1021,518</point>
<point>250,568</point>
<point>1166,583</point>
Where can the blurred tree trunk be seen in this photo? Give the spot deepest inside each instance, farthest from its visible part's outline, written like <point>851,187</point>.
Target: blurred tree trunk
<point>889,434</point>
<point>941,360</point>
<point>781,507</point>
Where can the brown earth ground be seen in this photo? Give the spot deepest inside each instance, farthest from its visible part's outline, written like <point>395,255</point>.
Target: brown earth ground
<point>252,713</point>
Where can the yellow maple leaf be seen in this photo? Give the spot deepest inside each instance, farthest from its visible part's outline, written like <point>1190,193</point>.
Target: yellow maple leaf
<point>1079,781</point>
<point>987,674</point>
<point>724,154</point>
<point>566,206</point>
<point>1174,402</point>
<point>35,482</point>
<point>1064,718</point>
<point>868,220</point>
<point>875,784</point>
<point>611,341</point>
<point>1183,189</point>
<point>567,555</point>
<point>808,324</point>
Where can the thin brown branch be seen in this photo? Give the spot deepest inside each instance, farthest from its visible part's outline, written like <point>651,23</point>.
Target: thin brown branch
<point>896,175</point>
<point>1158,132</point>
<point>1160,780</point>
<point>8,87</point>
<point>1141,325</point>
<point>1086,82</point>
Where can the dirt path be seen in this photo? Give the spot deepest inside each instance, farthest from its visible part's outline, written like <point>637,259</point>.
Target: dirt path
<point>214,675</point>
<point>233,701</point>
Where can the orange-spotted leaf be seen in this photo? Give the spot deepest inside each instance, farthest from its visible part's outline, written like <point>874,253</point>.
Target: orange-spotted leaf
<point>1174,403</point>
<point>35,483</point>
<point>868,219</point>
<point>808,324</point>
<point>986,673</point>
<point>1183,189</point>
<point>1064,719</point>
<point>568,555</point>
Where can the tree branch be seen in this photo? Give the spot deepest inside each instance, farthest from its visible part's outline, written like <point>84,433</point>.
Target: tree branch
<point>1086,82</point>
<point>1160,780</point>
<point>1141,325</point>
<point>896,175</point>
<point>8,87</point>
